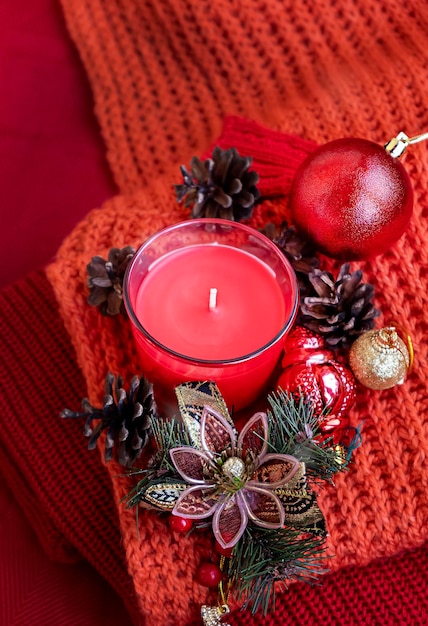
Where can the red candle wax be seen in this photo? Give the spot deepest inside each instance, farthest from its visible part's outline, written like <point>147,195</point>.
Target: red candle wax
<point>173,303</point>
<point>210,300</point>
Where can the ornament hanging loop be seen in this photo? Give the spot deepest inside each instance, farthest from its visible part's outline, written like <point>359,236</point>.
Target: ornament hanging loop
<point>213,615</point>
<point>397,145</point>
<point>406,337</point>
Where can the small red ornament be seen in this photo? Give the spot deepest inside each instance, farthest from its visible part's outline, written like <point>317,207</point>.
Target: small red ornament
<point>179,524</point>
<point>311,369</point>
<point>352,198</point>
<point>227,552</point>
<point>209,575</point>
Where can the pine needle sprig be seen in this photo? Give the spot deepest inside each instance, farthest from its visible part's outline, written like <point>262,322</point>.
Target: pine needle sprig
<point>166,435</point>
<point>290,421</point>
<point>294,428</point>
<point>133,497</point>
<point>266,561</point>
<point>324,463</point>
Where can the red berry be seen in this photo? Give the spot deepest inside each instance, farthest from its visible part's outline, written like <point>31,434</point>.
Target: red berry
<point>351,198</point>
<point>209,575</point>
<point>227,552</point>
<point>180,524</point>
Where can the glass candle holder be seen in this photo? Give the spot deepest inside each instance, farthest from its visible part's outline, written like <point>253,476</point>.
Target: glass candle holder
<point>210,299</point>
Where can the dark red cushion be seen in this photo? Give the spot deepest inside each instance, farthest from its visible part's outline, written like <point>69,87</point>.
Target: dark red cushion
<point>52,164</point>
<point>52,171</point>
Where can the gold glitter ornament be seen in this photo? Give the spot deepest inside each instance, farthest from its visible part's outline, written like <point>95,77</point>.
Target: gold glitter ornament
<point>380,359</point>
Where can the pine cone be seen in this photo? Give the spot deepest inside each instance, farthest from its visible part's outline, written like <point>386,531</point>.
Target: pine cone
<point>105,280</point>
<point>340,309</point>
<point>220,186</point>
<point>299,251</point>
<point>125,416</point>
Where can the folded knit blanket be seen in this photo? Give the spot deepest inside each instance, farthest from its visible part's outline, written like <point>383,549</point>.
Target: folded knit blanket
<point>164,76</point>
<point>66,492</point>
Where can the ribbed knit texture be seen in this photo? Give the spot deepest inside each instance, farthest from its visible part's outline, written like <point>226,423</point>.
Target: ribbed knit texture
<point>38,450</point>
<point>387,593</point>
<point>36,591</point>
<point>164,74</point>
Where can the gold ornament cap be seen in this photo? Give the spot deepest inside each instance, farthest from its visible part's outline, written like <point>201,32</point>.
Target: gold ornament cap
<point>397,145</point>
<point>380,359</point>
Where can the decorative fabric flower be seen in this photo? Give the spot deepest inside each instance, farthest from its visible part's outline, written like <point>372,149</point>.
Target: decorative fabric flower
<point>232,479</point>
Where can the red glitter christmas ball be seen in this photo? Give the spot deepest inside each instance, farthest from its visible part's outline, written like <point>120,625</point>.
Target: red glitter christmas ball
<point>352,199</point>
<point>309,368</point>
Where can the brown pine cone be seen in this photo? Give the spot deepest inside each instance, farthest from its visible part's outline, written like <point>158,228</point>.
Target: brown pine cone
<point>299,252</point>
<point>338,309</point>
<point>219,187</point>
<point>105,280</point>
<point>125,416</point>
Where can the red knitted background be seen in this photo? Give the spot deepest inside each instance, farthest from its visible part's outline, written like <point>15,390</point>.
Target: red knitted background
<point>325,88</point>
<point>187,65</point>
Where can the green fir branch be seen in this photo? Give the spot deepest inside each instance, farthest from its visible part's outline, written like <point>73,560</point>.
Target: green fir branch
<point>294,429</point>
<point>290,420</point>
<point>167,435</point>
<point>134,497</point>
<point>266,561</point>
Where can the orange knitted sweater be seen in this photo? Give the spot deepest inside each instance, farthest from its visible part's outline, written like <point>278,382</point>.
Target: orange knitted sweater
<point>164,75</point>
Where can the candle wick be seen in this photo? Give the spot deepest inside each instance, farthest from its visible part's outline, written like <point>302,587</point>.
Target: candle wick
<point>213,299</point>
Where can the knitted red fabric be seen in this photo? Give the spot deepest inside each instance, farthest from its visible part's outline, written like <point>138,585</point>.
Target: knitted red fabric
<point>389,592</point>
<point>359,530</point>
<point>35,591</point>
<point>38,451</point>
<point>316,69</point>
<point>165,73</point>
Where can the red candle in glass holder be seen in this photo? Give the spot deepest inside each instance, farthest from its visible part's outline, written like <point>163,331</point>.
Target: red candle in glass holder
<point>210,299</point>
